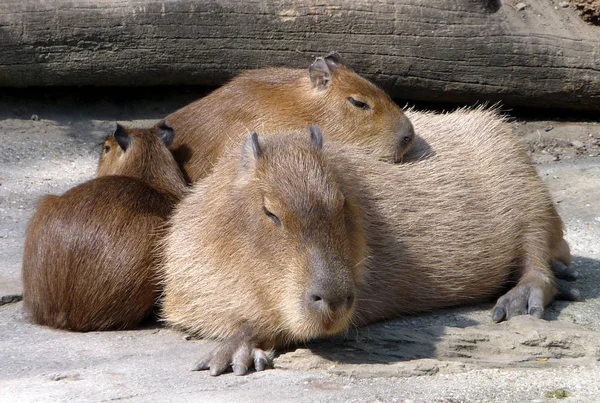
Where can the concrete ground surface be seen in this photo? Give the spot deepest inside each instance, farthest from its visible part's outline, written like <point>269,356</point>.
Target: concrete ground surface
<point>49,143</point>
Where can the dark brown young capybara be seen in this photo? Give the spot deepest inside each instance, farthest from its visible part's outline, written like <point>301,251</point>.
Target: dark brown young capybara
<point>349,108</point>
<point>89,261</point>
<point>290,240</point>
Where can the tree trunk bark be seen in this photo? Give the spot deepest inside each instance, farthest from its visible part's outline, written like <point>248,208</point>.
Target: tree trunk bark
<point>454,51</point>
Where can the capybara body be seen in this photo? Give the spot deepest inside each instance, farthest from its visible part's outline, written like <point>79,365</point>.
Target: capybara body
<point>90,254</point>
<point>390,240</point>
<point>346,106</point>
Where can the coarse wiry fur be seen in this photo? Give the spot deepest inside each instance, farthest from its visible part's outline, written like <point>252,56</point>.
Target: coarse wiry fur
<point>473,216</point>
<point>435,139</point>
<point>451,228</point>
<point>89,260</point>
<point>275,99</point>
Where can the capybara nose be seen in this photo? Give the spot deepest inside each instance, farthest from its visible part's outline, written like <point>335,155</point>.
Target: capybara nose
<point>324,302</point>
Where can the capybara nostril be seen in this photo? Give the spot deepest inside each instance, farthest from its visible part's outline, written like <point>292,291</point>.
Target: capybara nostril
<point>325,302</point>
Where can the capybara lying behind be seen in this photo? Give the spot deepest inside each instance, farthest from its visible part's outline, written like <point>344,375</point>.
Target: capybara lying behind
<point>294,240</point>
<point>89,261</point>
<point>348,108</point>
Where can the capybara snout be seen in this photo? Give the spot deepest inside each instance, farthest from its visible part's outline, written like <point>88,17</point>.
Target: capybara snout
<point>330,287</point>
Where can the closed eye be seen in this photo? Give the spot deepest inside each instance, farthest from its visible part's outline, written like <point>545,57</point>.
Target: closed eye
<point>359,104</point>
<point>272,217</point>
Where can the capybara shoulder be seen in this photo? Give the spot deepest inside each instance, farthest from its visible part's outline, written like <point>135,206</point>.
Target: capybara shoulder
<point>90,254</point>
<point>348,107</point>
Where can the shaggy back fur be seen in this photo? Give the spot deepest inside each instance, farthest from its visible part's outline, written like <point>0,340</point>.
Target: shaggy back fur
<point>89,259</point>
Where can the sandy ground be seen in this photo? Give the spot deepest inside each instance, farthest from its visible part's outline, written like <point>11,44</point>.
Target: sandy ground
<point>49,143</point>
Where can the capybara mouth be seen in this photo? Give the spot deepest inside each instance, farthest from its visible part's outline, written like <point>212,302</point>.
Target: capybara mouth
<point>335,322</point>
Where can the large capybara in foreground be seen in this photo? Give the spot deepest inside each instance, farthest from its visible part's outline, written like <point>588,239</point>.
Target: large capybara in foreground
<point>347,107</point>
<point>289,239</point>
<point>90,260</point>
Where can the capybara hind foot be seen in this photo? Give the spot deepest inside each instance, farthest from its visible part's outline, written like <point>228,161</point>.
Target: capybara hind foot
<point>564,272</point>
<point>565,275</point>
<point>567,291</point>
<point>240,353</point>
<point>528,297</point>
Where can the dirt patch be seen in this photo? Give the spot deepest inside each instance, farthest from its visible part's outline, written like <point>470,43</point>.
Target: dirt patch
<point>557,141</point>
<point>589,9</point>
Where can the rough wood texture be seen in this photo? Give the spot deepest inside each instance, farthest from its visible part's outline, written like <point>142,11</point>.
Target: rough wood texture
<point>461,50</point>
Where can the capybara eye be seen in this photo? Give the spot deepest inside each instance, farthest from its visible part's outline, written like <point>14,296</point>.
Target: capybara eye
<point>106,149</point>
<point>272,216</point>
<point>359,104</point>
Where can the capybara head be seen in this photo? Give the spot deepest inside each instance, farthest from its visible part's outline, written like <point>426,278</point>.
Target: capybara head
<point>306,227</point>
<point>130,150</point>
<point>351,103</point>
<point>142,154</point>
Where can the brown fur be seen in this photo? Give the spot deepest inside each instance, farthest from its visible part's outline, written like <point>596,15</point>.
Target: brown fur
<point>89,260</point>
<point>441,231</point>
<point>274,99</point>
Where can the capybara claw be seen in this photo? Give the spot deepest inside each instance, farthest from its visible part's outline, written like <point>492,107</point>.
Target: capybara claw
<point>262,360</point>
<point>237,354</point>
<point>564,272</point>
<point>202,365</point>
<point>498,314</point>
<point>567,292</point>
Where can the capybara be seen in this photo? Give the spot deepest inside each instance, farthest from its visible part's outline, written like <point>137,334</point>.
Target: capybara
<point>347,107</point>
<point>291,240</point>
<point>90,255</point>
<point>432,140</point>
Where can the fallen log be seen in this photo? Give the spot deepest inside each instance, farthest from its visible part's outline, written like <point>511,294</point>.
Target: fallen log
<point>530,53</point>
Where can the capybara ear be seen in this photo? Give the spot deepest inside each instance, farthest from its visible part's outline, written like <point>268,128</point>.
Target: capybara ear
<point>122,137</point>
<point>165,132</point>
<point>334,59</point>
<point>320,73</point>
<point>316,137</point>
<point>250,151</point>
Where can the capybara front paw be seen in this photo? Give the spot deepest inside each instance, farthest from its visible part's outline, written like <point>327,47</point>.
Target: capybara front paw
<point>236,356</point>
<point>521,300</point>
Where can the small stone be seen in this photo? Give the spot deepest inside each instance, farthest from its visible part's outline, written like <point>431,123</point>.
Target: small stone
<point>577,144</point>
<point>548,128</point>
<point>520,6</point>
<point>596,136</point>
<point>9,299</point>
<point>556,157</point>
<point>35,117</point>
<point>564,4</point>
